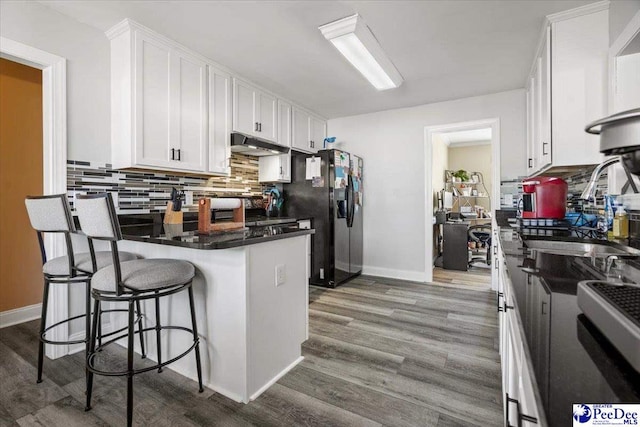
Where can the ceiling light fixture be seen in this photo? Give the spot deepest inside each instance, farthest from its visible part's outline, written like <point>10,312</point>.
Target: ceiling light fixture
<point>356,42</point>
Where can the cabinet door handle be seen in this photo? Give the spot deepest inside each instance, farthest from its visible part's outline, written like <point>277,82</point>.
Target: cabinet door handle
<point>542,310</point>
<point>499,307</point>
<point>178,150</point>
<point>506,306</point>
<point>259,127</point>
<point>543,145</point>
<point>521,417</point>
<point>173,154</point>
<point>255,127</point>
<point>530,164</point>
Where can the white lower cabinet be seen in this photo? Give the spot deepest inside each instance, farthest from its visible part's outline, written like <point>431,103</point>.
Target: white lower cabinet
<point>275,168</point>
<point>521,405</point>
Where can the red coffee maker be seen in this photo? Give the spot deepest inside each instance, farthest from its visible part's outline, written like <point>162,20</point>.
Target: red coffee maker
<point>544,197</point>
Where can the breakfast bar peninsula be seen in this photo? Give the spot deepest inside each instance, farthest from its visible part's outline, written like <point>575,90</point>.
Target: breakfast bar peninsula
<point>251,295</point>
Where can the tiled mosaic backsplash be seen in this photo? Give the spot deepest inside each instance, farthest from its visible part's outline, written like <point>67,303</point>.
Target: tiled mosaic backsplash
<point>148,191</point>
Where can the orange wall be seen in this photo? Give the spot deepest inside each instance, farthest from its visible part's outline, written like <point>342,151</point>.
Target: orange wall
<point>20,175</point>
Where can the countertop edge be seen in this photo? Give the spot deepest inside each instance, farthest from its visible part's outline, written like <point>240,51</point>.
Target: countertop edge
<point>221,245</point>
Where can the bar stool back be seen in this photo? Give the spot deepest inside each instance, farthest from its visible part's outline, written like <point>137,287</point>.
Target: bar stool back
<point>52,214</point>
<point>131,282</point>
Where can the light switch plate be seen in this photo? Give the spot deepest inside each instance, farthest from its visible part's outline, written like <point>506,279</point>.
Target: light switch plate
<point>281,274</point>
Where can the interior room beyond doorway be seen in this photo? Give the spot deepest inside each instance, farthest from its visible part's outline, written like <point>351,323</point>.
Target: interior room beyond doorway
<point>462,183</point>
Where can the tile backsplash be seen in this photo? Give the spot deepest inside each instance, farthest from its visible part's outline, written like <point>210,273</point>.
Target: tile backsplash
<point>146,191</point>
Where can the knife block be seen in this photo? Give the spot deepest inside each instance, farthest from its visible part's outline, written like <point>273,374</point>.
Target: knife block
<point>171,216</point>
<point>204,218</point>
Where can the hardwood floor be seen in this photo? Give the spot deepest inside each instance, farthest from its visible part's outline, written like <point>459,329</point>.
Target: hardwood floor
<point>380,352</point>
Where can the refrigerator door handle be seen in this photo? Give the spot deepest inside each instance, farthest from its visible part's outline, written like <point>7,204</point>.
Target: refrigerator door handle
<point>350,201</point>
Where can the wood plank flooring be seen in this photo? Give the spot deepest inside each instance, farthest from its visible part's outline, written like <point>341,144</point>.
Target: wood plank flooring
<point>380,352</point>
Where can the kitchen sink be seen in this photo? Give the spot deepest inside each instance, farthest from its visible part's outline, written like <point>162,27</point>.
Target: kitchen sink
<point>584,249</point>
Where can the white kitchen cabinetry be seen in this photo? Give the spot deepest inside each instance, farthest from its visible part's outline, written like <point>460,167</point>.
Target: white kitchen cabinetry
<point>219,122</point>
<point>284,123</point>
<point>567,89</point>
<point>521,404</point>
<point>255,113</point>
<point>275,168</point>
<point>159,102</point>
<point>309,131</point>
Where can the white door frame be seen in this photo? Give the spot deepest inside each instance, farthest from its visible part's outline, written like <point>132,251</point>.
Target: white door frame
<point>429,131</point>
<point>54,143</point>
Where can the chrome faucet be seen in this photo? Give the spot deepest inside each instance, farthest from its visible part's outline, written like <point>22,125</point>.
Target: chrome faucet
<point>589,192</point>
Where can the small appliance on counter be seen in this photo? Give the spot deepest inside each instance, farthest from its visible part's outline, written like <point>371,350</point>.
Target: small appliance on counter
<point>206,204</point>
<point>544,197</point>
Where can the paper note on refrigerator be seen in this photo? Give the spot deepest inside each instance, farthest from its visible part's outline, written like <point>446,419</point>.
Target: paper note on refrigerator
<point>313,167</point>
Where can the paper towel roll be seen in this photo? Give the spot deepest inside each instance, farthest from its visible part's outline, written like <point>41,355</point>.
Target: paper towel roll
<point>217,203</point>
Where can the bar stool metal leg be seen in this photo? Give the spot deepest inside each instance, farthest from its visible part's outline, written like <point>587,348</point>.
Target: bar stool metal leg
<point>196,338</point>
<point>43,321</point>
<point>144,353</point>
<point>130,336</point>
<point>92,348</point>
<point>158,342</point>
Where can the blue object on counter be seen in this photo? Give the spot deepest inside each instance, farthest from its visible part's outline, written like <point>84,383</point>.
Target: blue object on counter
<point>579,219</point>
<point>329,139</point>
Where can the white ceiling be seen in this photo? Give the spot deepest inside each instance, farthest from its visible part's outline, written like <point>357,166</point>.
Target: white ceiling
<point>444,49</point>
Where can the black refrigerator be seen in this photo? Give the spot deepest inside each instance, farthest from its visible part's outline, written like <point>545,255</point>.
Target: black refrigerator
<point>327,188</point>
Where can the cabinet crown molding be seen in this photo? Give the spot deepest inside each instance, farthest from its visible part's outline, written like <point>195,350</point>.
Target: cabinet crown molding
<point>578,11</point>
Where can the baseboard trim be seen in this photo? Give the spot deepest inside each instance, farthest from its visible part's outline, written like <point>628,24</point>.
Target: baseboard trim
<point>414,276</point>
<point>275,379</point>
<point>20,315</point>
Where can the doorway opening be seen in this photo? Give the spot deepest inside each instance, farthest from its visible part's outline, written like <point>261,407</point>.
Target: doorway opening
<point>462,191</point>
<point>54,169</point>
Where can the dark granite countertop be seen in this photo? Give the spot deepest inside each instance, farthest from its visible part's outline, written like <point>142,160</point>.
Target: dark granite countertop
<point>572,361</point>
<point>186,235</point>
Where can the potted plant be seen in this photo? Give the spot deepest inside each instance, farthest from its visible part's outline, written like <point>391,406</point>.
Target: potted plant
<point>461,175</point>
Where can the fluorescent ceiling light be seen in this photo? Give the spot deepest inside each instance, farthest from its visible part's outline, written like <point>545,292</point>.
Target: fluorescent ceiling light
<point>356,42</point>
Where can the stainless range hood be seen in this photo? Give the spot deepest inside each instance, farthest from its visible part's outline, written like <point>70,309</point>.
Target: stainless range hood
<point>253,146</point>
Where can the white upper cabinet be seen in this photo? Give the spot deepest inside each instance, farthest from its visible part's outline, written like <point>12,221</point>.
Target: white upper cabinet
<point>159,103</point>
<point>567,89</point>
<point>275,168</point>
<point>255,112</point>
<point>318,132</point>
<point>219,122</point>
<point>284,123</point>
<point>268,117</point>
<point>301,139</point>
<point>309,131</point>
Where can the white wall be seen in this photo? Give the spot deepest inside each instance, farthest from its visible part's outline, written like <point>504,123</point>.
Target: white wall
<point>87,52</point>
<point>392,145</point>
<point>475,158</point>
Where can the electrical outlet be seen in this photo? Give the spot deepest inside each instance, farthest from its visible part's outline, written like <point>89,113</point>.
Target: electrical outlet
<point>188,198</point>
<point>281,274</point>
